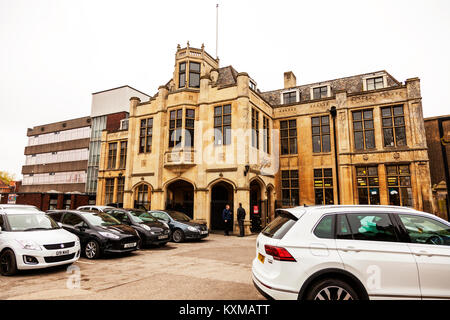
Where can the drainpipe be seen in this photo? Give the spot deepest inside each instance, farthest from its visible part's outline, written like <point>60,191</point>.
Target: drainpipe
<point>333,113</point>
<point>444,156</point>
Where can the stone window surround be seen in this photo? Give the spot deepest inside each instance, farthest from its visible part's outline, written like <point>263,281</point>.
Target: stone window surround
<point>311,90</point>
<point>297,91</point>
<point>374,75</point>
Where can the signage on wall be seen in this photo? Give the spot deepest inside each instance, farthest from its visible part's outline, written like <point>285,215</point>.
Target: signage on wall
<point>255,210</point>
<point>12,198</point>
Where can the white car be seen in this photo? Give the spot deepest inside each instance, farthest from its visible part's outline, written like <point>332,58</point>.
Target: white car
<point>95,208</point>
<point>32,240</point>
<point>353,252</point>
<point>18,207</point>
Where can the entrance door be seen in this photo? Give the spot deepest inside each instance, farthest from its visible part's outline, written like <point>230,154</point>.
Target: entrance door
<point>221,195</point>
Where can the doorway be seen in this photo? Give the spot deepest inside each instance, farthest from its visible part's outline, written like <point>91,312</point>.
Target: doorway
<point>180,197</point>
<point>221,195</point>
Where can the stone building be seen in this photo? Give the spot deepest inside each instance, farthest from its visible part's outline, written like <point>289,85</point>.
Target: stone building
<point>209,137</point>
<point>438,141</point>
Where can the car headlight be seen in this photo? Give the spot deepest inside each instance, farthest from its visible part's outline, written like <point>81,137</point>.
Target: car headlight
<point>29,245</point>
<point>146,227</point>
<point>192,229</point>
<point>109,235</point>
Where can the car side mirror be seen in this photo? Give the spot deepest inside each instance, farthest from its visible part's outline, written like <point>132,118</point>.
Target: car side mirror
<point>0,229</point>
<point>60,224</point>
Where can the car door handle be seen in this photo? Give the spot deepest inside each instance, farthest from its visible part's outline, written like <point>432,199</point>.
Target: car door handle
<point>424,253</point>
<point>350,248</point>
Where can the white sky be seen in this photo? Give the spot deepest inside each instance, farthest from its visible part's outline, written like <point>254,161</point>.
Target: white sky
<point>55,53</point>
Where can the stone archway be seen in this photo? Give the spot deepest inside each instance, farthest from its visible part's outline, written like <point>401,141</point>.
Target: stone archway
<point>222,193</point>
<point>180,197</point>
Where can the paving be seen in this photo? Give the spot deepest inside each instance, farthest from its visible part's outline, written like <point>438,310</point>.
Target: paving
<point>217,267</point>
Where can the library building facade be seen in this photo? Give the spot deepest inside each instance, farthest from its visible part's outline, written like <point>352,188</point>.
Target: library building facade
<point>209,137</point>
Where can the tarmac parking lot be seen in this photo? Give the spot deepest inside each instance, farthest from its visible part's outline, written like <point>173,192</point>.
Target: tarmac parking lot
<point>217,267</point>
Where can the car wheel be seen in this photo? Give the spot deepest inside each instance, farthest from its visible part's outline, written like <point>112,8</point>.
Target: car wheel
<point>8,265</point>
<point>92,249</point>
<point>331,289</point>
<point>178,236</point>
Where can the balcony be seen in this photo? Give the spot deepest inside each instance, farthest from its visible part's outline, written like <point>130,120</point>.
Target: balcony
<point>179,159</point>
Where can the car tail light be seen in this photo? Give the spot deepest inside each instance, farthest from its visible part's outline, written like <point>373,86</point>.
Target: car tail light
<point>280,254</point>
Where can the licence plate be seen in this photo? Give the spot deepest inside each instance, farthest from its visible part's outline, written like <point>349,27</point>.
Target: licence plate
<point>261,257</point>
<point>62,252</point>
<point>163,237</point>
<point>129,245</point>
<point>203,232</point>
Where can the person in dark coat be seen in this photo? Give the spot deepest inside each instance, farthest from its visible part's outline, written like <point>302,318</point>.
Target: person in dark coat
<point>227,217</point>
<point>241,218</point>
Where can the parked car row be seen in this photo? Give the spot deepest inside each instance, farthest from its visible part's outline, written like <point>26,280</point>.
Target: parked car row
<point>31,239</point>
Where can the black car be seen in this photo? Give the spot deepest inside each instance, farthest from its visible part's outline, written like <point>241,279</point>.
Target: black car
<point>151,230</point>
<point>99,232</point>
<point>181,226</point>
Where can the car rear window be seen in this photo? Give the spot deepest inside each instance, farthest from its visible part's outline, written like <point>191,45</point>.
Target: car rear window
<point>280,226</point>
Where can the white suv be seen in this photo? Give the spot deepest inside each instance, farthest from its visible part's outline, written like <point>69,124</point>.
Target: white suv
<point>32,240</point>
<point>353,252</point>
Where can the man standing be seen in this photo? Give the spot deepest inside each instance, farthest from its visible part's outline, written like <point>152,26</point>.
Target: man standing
<point>227,217</point>
<point>241,218</point>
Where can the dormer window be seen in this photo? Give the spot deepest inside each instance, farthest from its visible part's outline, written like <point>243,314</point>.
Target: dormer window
<point>320,92</point>
<point>252,85</point>
<point>182,75</point>
<point>288,97</point>
<point>375,83</point>
<point>194,75</point>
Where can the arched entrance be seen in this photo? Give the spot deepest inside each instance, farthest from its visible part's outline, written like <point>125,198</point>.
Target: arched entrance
<point>256,206</point>
<point>180,197</point>
<point>142,197</point>
<point>221,195</point>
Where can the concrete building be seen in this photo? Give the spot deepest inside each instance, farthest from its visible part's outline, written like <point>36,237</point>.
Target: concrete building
<point>209,137</point>
<point>438,141</point>
<point>55,168</point>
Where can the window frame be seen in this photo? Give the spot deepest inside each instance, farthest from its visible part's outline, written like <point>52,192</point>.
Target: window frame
<point>266,134</point>
<point>375,82</point>
<point>393,127</point>
<point>399,185</point>
<point>323,187</point>
<point>290,188</point>
<point>191,72</point>
<point>368,185</point>
<point>320,88</point>
<point>112,156</point>
<point>321,134</point>
<point>123,154</point>
<point>109,190</point>
<point>177,127</point>
<point>221,127</point>
<point>291,94</point>
<point>288,137</point>
<point>255,128</point>
<point>189,129</point>
<point>363,129</point>
<point>146,135</point>
<point>180,73</point>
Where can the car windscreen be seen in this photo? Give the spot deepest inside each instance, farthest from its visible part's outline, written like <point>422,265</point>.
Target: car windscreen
<point>100,219</point>
<point>280,225</point>
<point>142,216</point>
<point>30,222</point>
<point>178,216</point>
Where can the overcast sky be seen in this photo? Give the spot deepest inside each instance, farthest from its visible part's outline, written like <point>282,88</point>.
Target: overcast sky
<point>54,54</point>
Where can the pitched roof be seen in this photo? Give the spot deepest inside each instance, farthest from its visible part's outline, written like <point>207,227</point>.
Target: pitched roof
<point>352,84</point>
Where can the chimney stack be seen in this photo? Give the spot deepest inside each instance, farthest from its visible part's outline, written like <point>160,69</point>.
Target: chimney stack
<point>289,80</point>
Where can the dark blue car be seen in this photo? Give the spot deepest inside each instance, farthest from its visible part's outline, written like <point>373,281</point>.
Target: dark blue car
<point>181,226</point>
